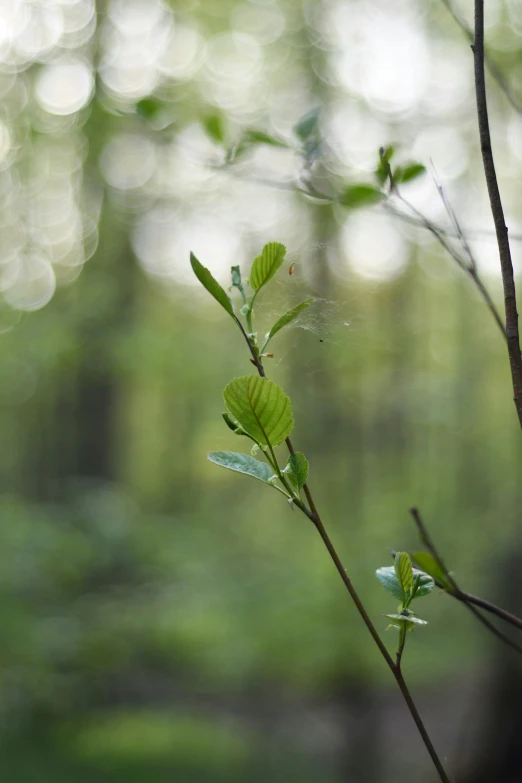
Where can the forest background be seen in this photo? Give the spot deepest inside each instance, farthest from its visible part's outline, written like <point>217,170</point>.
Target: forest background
<point>162,619</point>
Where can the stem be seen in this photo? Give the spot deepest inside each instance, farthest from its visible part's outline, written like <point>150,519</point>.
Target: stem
<point>420,726</point>
<point>395,667</point>
<point>402,642</point>
<point>442,237</point>
<point>508,280</point>
<point>471,602</point>
<point>493,608</point>
<point>313,514</point>
<point>353,593</point>
<point>488,300</point>
<point>280,475</point>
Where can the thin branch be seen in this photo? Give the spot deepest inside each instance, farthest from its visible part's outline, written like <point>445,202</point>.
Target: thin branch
<point>508,280</point>
<point>470,268</point>
<point>307,189</point>
<point>472,264</point>
<point>493,608</point>
<point>313,515</point>
<point>419,219</point>
<point>487,624</point>
<point>471,602</point>
<point>495,72</point>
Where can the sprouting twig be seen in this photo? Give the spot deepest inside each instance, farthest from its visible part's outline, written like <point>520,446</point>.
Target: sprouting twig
<point>508,280</point>
<point>395,666</point>
<point>470,601</point>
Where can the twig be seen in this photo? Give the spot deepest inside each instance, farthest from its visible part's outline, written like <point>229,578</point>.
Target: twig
<point>441,236</point>
<point>470,601</point>
<point>508,280</point>
<point>471,268</point>
<point>313,515</point>
<point>493,608</point>
<point>420,220</point>
<point>307,189</point>
<point>492,68</point>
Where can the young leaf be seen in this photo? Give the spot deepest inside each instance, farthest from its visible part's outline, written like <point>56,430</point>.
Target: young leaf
<point>307,126</point>
<point>408,172</point>
<point>388,579</point>
<point>427,563</point>
<point>408,621</point>
<point>249,139</point>
<point>231,424</point>
<point>287,318</point>
<point>242,463</point>
<point>297,469</point>
<point>266,265</point>
<point>253,136</point>
<point>425,583</point>
<point>149,107</point>
<point>403,570</point>
<point>308,132</point>
<point>261,408</point>
<point>386,153</point>
<point>235,274</point>
<point>234,426</point>
<point>354,196</point>
<point>215,128</point>
<point>212,285</point>
<point>383,169</point>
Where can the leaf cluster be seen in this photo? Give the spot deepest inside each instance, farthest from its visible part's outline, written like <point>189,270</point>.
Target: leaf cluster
<point>406,584</point>
<point>257,408</point>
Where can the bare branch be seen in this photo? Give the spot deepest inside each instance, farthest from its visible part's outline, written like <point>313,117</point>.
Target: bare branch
<point>508,280</point>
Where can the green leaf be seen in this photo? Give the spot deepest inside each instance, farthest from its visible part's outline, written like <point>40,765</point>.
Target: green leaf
<point>408,622</point>
<point>308,132</point>
<point>235,274</point>
<point>408,172</point>
<point>388,579</point>
<point>297,469</point>
<point>234,426</point>
<point>266,265</point>
<point>287,318</point>
<point>354,196</point>
<point>308,125</point>
<point>242,463</point>
<point>425,583</point>
<point>426,562</point>
<point>261,407</point>
<point>383,169</point>
<point>149,107</point>
<point>253,136</point>
<point>231,424</point>
<point>215,127</point>
<point>386,153</point>
<point>403,571</point>
<point>212,285</point>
